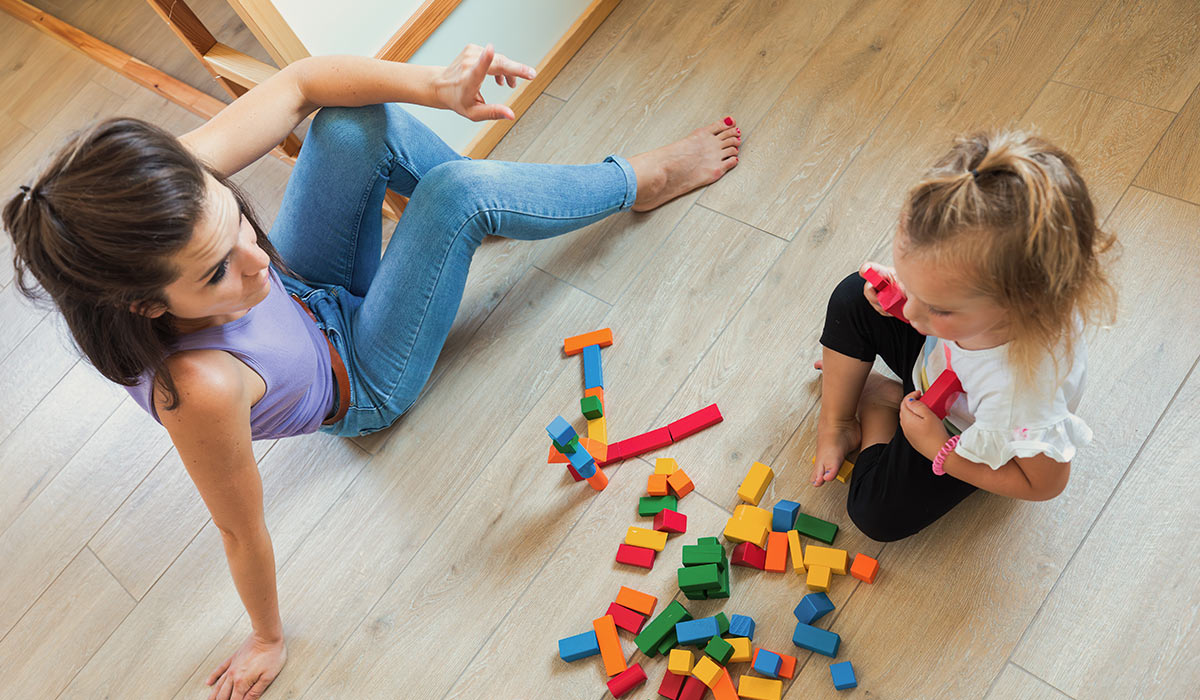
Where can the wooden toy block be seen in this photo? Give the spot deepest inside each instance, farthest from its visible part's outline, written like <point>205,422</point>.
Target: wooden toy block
<point>737,530</point>
<point>569,447</point>
<point>579,646</point>
<point>591,409</point>
<point>636,556</point>
<point>845,472</point>
<point>777,551</point>
<point>656,485</point>
<point>641,444</point>
<point>816,528</point>
<point>767,663</point>
<point>742,626</point>
<point>796,552</point>
<point>722,623</point>
<point>696,579</point>
<point>788,668</point>
<point>742,649</point>
<point>593,372</point>
<point>561,431</point>
<point>723,591</point>
<point>574,474</point>
<point>597,449</point>
<point>649,506</point>
<point>667,520</point>
<point>864,568</point>
<point>680,483</point>
<point>610,645</point>
<point>697,632</point>
<point>672,684</point>
<point>668,643</point>
<point>625,618</point>
<point>627,680</point>
<point>597,391</point>
<point>636,600</point>
<point>693,689</point>
<point>749,555</point>
<point>719,649</point>
<point>759,516</point>
<point>889,295</point>
<point>819,578</point>
<point>556,457</point>
<point>843,675</point>
<point>723,689</point>
<point>680,661</point>
<point>598,481</point>
<point>836,559</point>
<point>783,516</point>
<point>576,343</point>
<point>661,628</point>
<point>755,484</point>
<point>812,607</point>
<point>816,639</point>
<point>753,688</point>
<point>941,393</point>
<point>583,463</point>
<point>598,434</point>
<point>695,422</point>
<point>665,465</point>
<point>650,539</point>
<point>707,671</point>
<point>694,554</point>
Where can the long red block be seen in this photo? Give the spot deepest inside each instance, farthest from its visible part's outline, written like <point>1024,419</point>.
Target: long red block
<point>636,556</point>
<point>941,393</point>
<point>627,680</point>
<point>693,689</point>
<point>695,422</point>
<point>668,520</point>
<point>672,685</point>
<point>576,343</point>
<point>749,555</point>
<point>889,295</point>
<point>634,446</point>
<point>625,618</point>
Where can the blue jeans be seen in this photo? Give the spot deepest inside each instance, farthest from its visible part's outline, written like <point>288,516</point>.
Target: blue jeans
<point>389,318</point>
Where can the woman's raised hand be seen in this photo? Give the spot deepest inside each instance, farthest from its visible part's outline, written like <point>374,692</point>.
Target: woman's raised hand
<point>457,88</point>
<point>246,674</point>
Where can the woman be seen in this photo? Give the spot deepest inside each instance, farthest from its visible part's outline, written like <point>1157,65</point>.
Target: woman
<point>225,335</point>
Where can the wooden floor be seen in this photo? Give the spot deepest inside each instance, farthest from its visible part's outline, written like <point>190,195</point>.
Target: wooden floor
<point>443,559</point>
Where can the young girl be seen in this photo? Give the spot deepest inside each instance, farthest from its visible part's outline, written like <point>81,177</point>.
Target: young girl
<point>999,255</point>
<point>171,286</point>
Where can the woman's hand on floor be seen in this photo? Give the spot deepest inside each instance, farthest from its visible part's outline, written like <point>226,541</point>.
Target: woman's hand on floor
<point>249,671</point>
<point>458,86</point>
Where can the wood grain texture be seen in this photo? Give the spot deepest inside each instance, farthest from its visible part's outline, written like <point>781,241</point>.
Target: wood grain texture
<point>416,29</point>
<point>1016,683</point>
<point>606,36</point>
<point>1174,167</point>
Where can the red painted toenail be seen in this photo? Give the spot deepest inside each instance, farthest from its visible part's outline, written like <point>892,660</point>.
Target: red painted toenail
<point>728,121</point>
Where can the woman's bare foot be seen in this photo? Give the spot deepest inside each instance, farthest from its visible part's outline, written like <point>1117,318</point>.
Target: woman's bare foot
<point>696,160</point>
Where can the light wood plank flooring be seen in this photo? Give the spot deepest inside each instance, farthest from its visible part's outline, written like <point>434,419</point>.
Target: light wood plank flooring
<point>444,559</point>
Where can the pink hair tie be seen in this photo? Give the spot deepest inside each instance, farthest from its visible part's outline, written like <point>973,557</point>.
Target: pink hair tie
<point>943,454</point>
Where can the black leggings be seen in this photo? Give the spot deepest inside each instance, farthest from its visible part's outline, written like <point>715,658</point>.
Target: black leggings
<point>893,490</point>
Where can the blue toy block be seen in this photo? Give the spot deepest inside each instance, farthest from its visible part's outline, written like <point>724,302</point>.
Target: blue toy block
<point>816,639</point>
<point>697,632</point>
<point>768,663</point>
<point>741,626</point>
<point>583,463</point>
<point>578,647</point>
<point>843,675</point>
<point>561,431</point>
<point>593,375</point>
<point>812,607</point>
<point>783,518</point>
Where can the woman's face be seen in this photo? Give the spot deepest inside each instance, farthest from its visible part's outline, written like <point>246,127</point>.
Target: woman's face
<point>222,269</point>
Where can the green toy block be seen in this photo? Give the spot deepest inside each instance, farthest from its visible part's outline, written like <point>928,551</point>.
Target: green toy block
<point>695,595</point>
<point>591,407</point>
<point>709,540</point>
<point>699,578</point>
<point>695,554</point>
<point>722,623</point>
<point>661,628</point>
<point>569,448</point>
<point>650,505</point>
<point>719,649</point>
<point>723,591</point>
<point>668,643</point>
<point>816,528</point>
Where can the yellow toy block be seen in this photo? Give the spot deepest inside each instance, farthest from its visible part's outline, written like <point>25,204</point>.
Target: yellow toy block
<point>650,539</point>
<point>836,559</point>
<point>755,688</point>
<point>680,661</point>
<point>665,465</point>
<point>758,516</point>
<point>656,485</point>
<point>707,671</point>
<point>598,430</point>
<point>738,530</point>
<point>844,473</point>
<point>755,484</point>
<point>742,649</point>
<point>796,552</point>
<point>819,578</point>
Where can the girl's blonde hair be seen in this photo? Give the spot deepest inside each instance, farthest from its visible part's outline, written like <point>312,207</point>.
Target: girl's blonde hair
<point>1012,211</point>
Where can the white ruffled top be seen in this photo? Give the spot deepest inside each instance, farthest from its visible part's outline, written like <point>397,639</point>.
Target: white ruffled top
<point>997,417</point>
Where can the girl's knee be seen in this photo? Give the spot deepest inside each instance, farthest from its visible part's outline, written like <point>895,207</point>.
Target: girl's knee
<point>874,521</point>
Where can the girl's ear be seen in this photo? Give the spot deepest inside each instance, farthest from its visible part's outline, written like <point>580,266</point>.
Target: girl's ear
<point>149,309</point>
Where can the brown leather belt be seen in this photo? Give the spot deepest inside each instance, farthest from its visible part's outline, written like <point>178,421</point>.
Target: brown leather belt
<point>342,379</point>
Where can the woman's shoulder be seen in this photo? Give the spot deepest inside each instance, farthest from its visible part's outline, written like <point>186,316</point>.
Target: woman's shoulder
<point>206,381</point>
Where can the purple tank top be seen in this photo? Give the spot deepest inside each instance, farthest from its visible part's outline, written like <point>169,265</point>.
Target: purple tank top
<point>278,340</point>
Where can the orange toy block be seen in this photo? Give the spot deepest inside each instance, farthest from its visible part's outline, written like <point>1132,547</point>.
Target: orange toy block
<point>656,485</point>
<point>598,481</point>
<point>636,600</point>
<point>796,551</point>
<point>787,669</point>
<point>755,484</point>
<point>819,578</point>
<point>835,559</point>
<point>576,343</point>
<point>723,688</point>
<point>864,568</point>
<point>650,539</point>
<point>597,391</point>
<point>598,450</point>
<point>665,465</point>
<point>680,483</point>
<point>777,551</point>
<point>557,457</point>
<point>597,431</point>
<point>610,645</point>
<point>706,670</point>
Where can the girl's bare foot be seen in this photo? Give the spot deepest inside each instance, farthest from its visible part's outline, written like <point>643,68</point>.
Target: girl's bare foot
<point>879,409</point>
<point>696,160</point>
<point>836,438</point>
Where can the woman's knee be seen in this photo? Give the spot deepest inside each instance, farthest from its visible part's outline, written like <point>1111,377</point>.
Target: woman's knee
<point>348,127</point>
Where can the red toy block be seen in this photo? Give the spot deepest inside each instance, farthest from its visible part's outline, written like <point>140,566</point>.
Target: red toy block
<point>693,689</point>
<point>636,556</point>
<point>668,520</point>
<point>576,343</point>
<point>646,442</point>
<point>672,685</point>
<point>889,295</point>
<point>864,568</point>
<point>941,393</point>
<point>777,551</point>
<point>680,483</point>
<point>695,422</point>
<point>749,555</point>
<point>625,618</point>
<point>574,474</point>
<point>627,680</point>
